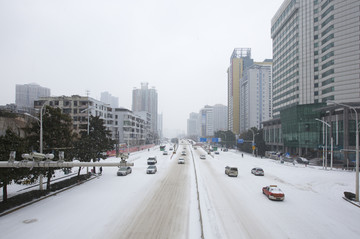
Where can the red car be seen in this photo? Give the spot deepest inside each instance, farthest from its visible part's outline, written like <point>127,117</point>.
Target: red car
<point>273,193</point>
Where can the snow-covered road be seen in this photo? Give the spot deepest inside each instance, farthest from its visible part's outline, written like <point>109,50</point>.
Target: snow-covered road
<point>164,205</point>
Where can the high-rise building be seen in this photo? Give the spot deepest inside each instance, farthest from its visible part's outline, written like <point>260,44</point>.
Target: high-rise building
<point>206,121</point>
<point>220,113</point>
<point>146,99</point>
<point>240,59</point>
<point>255,95</point>
<point>107,98</point>
<point>28,93</point>
<point>160,125</point>
<point>193,124</point>
<point>316,54</point>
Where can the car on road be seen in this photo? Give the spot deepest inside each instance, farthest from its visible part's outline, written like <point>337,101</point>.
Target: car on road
<point>151,169</point>
<point>171,149</point>
<point>217,152</point>
<point>273,193</point>
<point>183,153</point>
<point>257,171</point>
<point>302,160</point>
<point>225,150</point>
<point>151,160</point>
<point>165,153</point>
<point>231,171</point>
<point>203,156</point>
<point>123,171</point>
<point>181,161</point>
<point>195,148</point>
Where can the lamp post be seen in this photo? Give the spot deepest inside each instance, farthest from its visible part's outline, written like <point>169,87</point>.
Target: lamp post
<point>356,147</point>
<point>328,125</point>
<point>253,142</point>
<point>41,139</point>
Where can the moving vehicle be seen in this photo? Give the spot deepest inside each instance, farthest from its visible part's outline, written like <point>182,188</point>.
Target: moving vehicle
<point>225,150</point>
<point>123,171</point>
<point>217,152</point>
<point>257,171</point>
<point>203,156</point>
<point>151,160</point>
<point>183,153</point>
<point>162,147</point>
<point>165,153</point>
<point>181,161</point>
<point>151,169</point>
<point>231,171</point>
<point>273,193</point>
<point>171,149</point>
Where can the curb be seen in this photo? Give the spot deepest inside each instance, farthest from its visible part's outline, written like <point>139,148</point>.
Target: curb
<point>42,198</point>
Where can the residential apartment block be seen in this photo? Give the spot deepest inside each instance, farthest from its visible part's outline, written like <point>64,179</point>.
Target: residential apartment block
<point>25,95</point>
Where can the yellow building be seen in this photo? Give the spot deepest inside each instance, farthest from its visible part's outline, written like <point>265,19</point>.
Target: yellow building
<point>239,60</point>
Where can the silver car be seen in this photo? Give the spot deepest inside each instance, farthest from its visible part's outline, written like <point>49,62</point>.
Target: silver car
<point>123,171</point>
<point>151,169</point>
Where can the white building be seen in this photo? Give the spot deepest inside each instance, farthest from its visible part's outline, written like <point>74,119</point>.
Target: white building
<point>255,95</point>
<point>206,121</point>
<point>25,95</point>
<point>193,124</point>
<point>316,54</point>
<point>220,116</point>
<point>146,99</point>
<point>107,98</point>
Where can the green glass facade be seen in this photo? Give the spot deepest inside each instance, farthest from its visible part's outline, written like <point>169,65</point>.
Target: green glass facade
<point>299,128</point>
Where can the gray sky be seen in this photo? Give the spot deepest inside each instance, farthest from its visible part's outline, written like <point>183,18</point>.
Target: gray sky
<point>181,47</point>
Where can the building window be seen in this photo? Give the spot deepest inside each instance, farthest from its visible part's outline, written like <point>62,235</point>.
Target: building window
<point>330,45</point>
<point>328,81</point>
<point>316,53</point>
<point>327,73</point>
<point>327,21</point>
<point>330,54</point>
<point>327,11</point>
<point>316,19</point>
<point>328,38</point>
<point>316,93</point>
<point>325,4</point>
<point>327,64</point>
<point>327,30</point>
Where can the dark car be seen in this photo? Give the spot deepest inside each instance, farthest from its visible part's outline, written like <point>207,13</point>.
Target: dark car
<point>302,160</point>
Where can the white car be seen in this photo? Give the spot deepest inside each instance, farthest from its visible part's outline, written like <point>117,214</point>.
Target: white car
<point>203,156</point>
<point>151,169</point>
<point>181,161</point>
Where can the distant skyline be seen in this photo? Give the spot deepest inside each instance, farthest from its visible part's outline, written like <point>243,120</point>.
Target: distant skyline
<point>182,48</point>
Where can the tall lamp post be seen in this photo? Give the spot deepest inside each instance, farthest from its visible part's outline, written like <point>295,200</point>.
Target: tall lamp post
<point>253,142</point>
<point>41,139</point>
<point>356,147</point>
<point>328,125</point>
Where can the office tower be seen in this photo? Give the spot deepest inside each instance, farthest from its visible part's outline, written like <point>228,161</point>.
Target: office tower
<point>239,60</point>
<point>193,124</point>
<point>206,121</point>
<point>316,54</point>
<point>256,95</point>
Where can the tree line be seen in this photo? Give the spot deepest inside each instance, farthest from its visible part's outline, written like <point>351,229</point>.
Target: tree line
<point>58,135</point>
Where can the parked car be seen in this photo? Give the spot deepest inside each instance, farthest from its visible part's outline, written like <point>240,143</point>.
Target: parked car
<point>273,193</point>
<point>151,169</point>
<point>257,171</point>
<point>225,150</point>
<point>302,160</point>
<point>165,153</point>
<point>231,171</point>
<point>123,171</point>
<point>203,156</point>
<point>181,161</point>
<point>217,152</point>
<point>183,153</point>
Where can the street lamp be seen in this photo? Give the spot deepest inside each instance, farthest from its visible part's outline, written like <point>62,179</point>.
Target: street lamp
<point>356,147</point>
<point>328,125</point>
<point>253,142</point>
<point>41,138</point>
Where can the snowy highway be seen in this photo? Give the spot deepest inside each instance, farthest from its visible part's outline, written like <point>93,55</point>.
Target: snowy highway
<point>165,205</point>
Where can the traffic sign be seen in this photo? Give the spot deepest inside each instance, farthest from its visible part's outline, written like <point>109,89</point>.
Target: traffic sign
<point>240,141</point>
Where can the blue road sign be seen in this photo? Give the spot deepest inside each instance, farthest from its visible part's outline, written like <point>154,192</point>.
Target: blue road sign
<point>240,141</point>
<point>215,140</point>
<point>202,139</point>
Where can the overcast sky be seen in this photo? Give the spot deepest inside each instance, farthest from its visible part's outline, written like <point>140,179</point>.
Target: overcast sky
<point>181,47</point>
